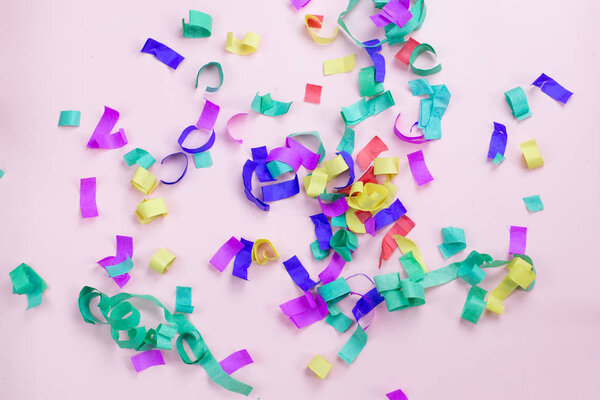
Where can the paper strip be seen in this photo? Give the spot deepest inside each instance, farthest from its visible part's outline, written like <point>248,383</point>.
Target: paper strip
<point>140,157</point>
<point>120,268</point>
<point>373,49</point>
<point>209,115</point>
<point>26,281</point>
<point>333,269</point>
<point>242,47</point>
<point>225,253</point>
<point>338,65</point>
<point>265,105</point>
<point>366,304</point>
<point>69,118</point>
<point>363,109</point>
<point>147,359</point>
<point>312,94</point>
<point>454,241</point>
<point>405,52</point>
<point>235,361</point>
<point>305,310</point>
<point>320,366</point>
<point>322,230</point>
<point>148,210</point>
<point>354,345</point>
<point>418,168</point>
<point>552,88</point>
<point>347,142</point>
<point>396,395</point>
<point>183,299</point>
<point>102,138</point>
<point>498,159</point>
<point>161,261</point>
<point>394,12</point>
<point>281,190</point>
<point>203,160</point>
<point>534,203</point>
<point>163,53</point>
<point>298,273</point>
<point>211,89</point>
<point>417,51</point>
<point>206,146</point>
<point>406,247</point>
<point>200,25</point>
<point>247,171</point>
<point>474,305</point>
<point>230,124</point>
<point>184,169</point>
<point>389,215</point>
<point>344,243</point>
<point>517,101</point>
<point>87,197</point>
<point>372,150</point>
<point>263,252</point>
<point>242,260</point>
<point>316,21</point>
<point>144,181</point>
<point>532,154</point>
<point>367,84</point>
<point>498,141</point>
<point>520,274</point>
<point>518,239</point>
<point>402,227</point>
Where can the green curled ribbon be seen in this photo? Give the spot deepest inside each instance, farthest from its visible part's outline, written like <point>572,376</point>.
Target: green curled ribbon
<point>420,49</point>
<point>211,89</point>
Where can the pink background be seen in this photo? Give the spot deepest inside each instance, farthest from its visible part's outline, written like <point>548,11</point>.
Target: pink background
<point>62,55</point>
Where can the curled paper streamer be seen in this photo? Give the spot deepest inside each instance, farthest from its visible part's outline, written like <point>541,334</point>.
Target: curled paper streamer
<point>342,24</point>
<point>184,169</point>
<point>235,361</point>
<point>405,52</point>
<point>433,108</point>
<point>454,241</point>
<point>418,168</point>
<point>247,171</point>
<point>518,239</point>
<point>517,101</point>
<point>344,243</point>
<point>474,305</point>
<point>206,146</point>
<point>267,106</point>
<point>148,210</point>
<point>163,53</point>
<point>531,154</point>
<point>317,252</point>
<point>87,197</point>
<point>140,157</point>
<point>418,50</point>
<point>316,21</point>
<point>322,230</point>
<point>281,190</point>
<point>338,65</point>
<point>389,215</point>
<point>395,34</point>
<point>225,253</point>
<point>298,4</point>
<point>102,138</point>
<point>335,208</point>
<point>242,47</point>
<point>263,252</point>
<point>363,109</point>
<point>305,310</point>
<point>333,269</point>
<point>209,115</point>
<point>409,139</point>
<point>407,247</point>
<point>211,89</point>
<point>26,281</point>
<point>498,141</point>
<point>533,203</point>
<point>354,345</point>
<point>124,252</point>
<point>312,94</point>
<point>396,395</point>
<point>242,260</point>
<point>386,166</point>
<point>124,318</point>
<point>372,150</point>
<point>69,118</point>
<point>402,227</point>
<point>552,88</point>
<point>1,173</point>
<point>320,366</point>
<point>231,122</point>
<point>340,322</point>
<point>298,273</point>
<point>147,359</point>
<point>399,293</point>
<point>366,304</point>
<point>144,181</point>
<point>161,261</point>
<point>520,274</point>
<point>200,25</point>
<point>310,159</point>
<point>183,300</point>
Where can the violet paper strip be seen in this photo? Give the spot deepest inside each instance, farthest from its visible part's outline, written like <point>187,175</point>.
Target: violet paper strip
<point>366,304</point>
<point>552,88</point>
<point>409,139</point>
<point>163,53</point>
<point>310,160</point>
<point>299,305</point>
<point>124,251</point>
<point>395,11</point>
<point>418,168</point>
<point>209,115</point>
<point>389,215</point>
<point>281,190</point>
<point>102,138</point>
<point>370,226</point>
<point>335,208</point>
<point>225,253</point>
<point>396,395</point>
<point>298,273</point>
<point>243,259</point>
<point>286,155</point>
<point>184,169</point>
<point>373,48</point>
<point>322,230</point>
<point>298,4</point>
<point>247,171</point>
<point>206,146</point>
<point>333,269</point>
<point>259,156</point>
<point>498,141</point>
<point>518,239</point>
<point>87,198</point>
<point>235,361</point>
<point>120,280</point>
<point>305,310</point>
<point>147,359</point>
<point>350,163</point>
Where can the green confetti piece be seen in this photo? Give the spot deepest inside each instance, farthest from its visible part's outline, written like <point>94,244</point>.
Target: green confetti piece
<point>140,157</point>
<point>211,89</point>
<point>119,269</point>
<point>200,25</point>
<point>183,300</point>
<point>339,221</point>
<point>342,242</point>
<point>474,305</point>
<point>267,106</point>
<point>517,101</point>
<point>412,267</point>
<point>26,281</point>
<point>454,241</point>
<point>420,49</point>
<point>69,118</point>
<point>420,87</point>
<point>354,345</point>
<point>203,159</point>
<point>278,168</point>
<point>340,322</point>
<point>363,109</point>
<point>1,173</point>
<point>334,292</point>
<point>366,82</point>
<point>498,159</point>
<point>534,203</point>
<point>400,293</point>
<point>347,142</point>
<point>317,253</point>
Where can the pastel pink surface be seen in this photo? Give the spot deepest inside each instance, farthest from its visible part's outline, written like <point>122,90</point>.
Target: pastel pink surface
<point>82,55</point>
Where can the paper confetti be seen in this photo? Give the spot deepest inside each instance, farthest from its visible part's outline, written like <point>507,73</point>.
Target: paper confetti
<point>417,51</point>
<point>313,94</point>
<point>183,300</point>
<point>147,359</point>
<point>102,138</point>
<point>498,141</point>
<point>320,366</point>
<point>533,203</point>
<point>211,89</point>
<point>518,239</point>
<point>517,101</point>
<point>140,157</point>
<point>148,210</point>
<point>371,151</point>
<point>26,281</point>
<point>454,241</point>
<point>87,198</point>
<point>235,361</point>
<point>316,21</point>
<point>163,53</point>
<point>418,168</point>
<point>531,154</point>
<point>397,395</point>
<point>69,118</point>
<point>144,181</point>
<point>225,254</point>
<point>405,52</point>
<point>242,47</point>
<point>552,88</point>
<point>267,106</point>
<point>200,25</point>
<point>338,65</point>
<point>161,261</point>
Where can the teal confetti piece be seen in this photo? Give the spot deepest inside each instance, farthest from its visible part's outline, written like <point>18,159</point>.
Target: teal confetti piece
<point>119,269</point>
<point>317,253</point>
<point>534,203</point>
<point>354,345</point>
<point>339,221</point>
<point>26,281</point>
<point>183,300</point>
<point>140,157</point>
<point>474,305</point>
<point>347,142</point>
<point>203,160</point>
<point>498,159</point>
<point>454,241</point>
<point>517,101</point>
<point>1,173</point>
<point>69,118</point>
<point>340,322</point>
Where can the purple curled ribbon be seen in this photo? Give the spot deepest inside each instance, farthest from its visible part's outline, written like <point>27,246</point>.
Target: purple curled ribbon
<point>206,146</point>
<point>247,171</point>
<point>409,139</point>
<point>184,170</point>
<point>102,138</point>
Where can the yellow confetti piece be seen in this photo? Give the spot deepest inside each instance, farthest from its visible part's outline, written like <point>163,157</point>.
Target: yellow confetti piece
<point>161,261</point>
<point>148,210</point>
<point>339,65</point>
<point>334,167</point>
<point>386,166</point>
<point>143,180</point>
<point>263,252</point>
<point>242,47</point>
<point>354,223</point>
<point>406,245</point>
<point>315,183</point>
<point>316,38</point>
<point>520,274</point>
<point>320,366</point>
<point>373,197</point>
<point>532,154</point>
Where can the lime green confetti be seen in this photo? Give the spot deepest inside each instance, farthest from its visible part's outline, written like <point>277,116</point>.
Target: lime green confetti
<point>454,241</point>
<point>534,203</point>
<point>517,101</point>
<point>69,118</point>
<point>354,345</point>
<point>317,253</point>
<point>26,281</point>
<point>366,82</point>
<point>200,25</point>
<point>498,159</point>
<point>474,305</point>
<point>203,159</point>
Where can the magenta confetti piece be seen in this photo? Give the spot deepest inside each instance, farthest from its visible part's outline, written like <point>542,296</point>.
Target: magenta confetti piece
<point>286,155</point>
<point>303,312</point>
<point>231,122</point>
<point>333,269</point>
<point>418,168</point>
<point>298,4</point>
<point>124,251</point>
<point>370,226</point>
<point>518,239</point>
<point>396,395</point>
<point>395,11</point>
<point>87,198</point>
<point>102,138</point>
<point>310,160</point>
<point>147,359</point>
<point>209,115</point>
<point>409,139</point>
<point>225,254</point>
<point>236,361</point>
<point>335,208</point>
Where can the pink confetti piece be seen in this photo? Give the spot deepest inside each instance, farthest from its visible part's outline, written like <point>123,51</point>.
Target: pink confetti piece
<point>518,239</point>
<point>233,121</point>
<point>87,198</point>
<point>370,152</point>
<point>147,359</point>
<point>418,168</point>
<point>225,254</point>
<point>313,94</point>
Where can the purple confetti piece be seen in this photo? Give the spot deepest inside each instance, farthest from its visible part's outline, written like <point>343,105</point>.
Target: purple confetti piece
<point>235,361</point>
<point>418,168</point>
<point>225,253</point>
<point>518,240</point>
<point>163,53</point>
<point>87,198</point>
<point>147,359</point>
